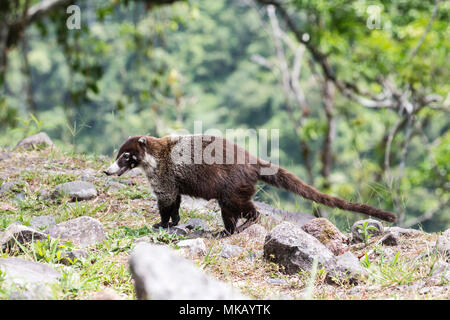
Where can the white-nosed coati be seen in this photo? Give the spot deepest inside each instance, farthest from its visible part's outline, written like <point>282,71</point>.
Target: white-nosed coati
<point>214,168</point>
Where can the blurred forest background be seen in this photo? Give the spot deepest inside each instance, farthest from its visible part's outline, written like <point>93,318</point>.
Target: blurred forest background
<point>358,89</point>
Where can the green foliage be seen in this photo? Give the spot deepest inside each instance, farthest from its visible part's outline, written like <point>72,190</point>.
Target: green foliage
<point>133,69</point>
<point>50,250</point>
<point>364,231</point>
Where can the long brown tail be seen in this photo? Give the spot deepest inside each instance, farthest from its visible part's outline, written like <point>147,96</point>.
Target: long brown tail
<point>285,180</point>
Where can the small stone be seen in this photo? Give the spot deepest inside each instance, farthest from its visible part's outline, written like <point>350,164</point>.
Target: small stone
<point>230,250</point>
<point>107,294</point>
<point>197,224</point>
<point>4,156</point>
<point>440,274</point>
<point>29,277</point>
<point>44,195</point>
<point>71,257</point>
<point>113,185</point>
<point>81,231</point>
<point>276,281</point>
<point>330,236</point>
<point>357,231</point>
<point>21,234</point>
<point>390,239</point>
<point>77,190</point>
<point>348,268</point>
<point>11,186</point>
<point>195,247</point>
<point>20,196</point>
<point>34,141</point>
<point>42,222</point>
<point>404,232</point>
<point>160,274</point>
<point>136,172</point>
<point>443,245</point>
<point>255,232</point>
<point>294,249</point>
<point>177,230</point>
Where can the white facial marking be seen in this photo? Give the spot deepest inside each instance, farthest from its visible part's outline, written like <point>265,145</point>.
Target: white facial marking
<point>114,168</point>
<point>150,161</point>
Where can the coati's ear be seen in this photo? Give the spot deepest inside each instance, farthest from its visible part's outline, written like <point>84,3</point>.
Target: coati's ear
<point>142,141</point>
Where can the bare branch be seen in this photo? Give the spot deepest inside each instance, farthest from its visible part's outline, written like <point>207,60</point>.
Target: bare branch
<point>427,30</point>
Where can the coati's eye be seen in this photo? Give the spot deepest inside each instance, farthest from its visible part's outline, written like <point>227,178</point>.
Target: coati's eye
<point>126,156</point>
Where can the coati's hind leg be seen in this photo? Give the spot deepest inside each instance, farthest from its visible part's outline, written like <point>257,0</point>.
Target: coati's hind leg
<point>229,219</point>
<point>168,210</point>
<point>231,212</point>
<point>251,214</point>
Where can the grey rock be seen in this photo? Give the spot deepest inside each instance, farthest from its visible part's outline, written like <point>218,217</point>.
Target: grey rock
<point>81,231</point>
<point>195,247</point>
<point>10,186</point>
<point>79,190</point>
<point>348,268</point>
<point>298,218</point>
<point>42,222</point>
<point>88,172</point>
<point>28,279</point>
<point>404,232</point>
<point>230,250</point>
<point>288,245</point>
<point>136,172</point>
<point>356,231</point>
<point>198,224</point>
<point>21,234</point>
<point>5,187</point>
<point>5,156</point>
<point>440,273</point>
<point>107,294</point>
<point>199,205</point>
<point>44,195</point>
<point>23,271</point>
<point>20,196</point>
<point>390,239</point>
<point>160,274</point>
<point>255,232</point>
<point>276,281</point>
<point>72,256</point>
<point>330,236</point>
<point>443,245</point>
<point>178,230</point>
<point>113,185</point>
<point>31,292</point>
<point>39,139</point>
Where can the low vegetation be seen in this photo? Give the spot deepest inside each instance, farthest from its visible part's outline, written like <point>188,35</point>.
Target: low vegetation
<point>127,212</point>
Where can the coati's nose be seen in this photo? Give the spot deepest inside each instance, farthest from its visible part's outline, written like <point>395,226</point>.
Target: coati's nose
<point>106,172</point>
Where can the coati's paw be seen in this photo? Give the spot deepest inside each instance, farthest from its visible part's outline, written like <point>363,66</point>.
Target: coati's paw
<point>172,224</point>
<point>221,234</point>
<point>160,225</point>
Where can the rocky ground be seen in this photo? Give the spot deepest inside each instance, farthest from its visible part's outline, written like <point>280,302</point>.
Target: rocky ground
<point>69,232</point>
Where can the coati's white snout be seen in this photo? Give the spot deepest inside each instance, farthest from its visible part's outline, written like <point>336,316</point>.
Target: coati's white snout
<point>113,169</point>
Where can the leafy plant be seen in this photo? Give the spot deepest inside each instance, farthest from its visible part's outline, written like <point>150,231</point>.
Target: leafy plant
<point>31,125</point>
<point>364,231</point>
<point>50,250</point>
<point>366,262</point>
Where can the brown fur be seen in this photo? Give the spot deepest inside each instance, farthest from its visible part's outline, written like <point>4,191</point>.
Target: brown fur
<point>232,184</point>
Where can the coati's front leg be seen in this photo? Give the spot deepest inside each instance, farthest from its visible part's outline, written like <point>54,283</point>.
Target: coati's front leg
<point>168,209</point>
